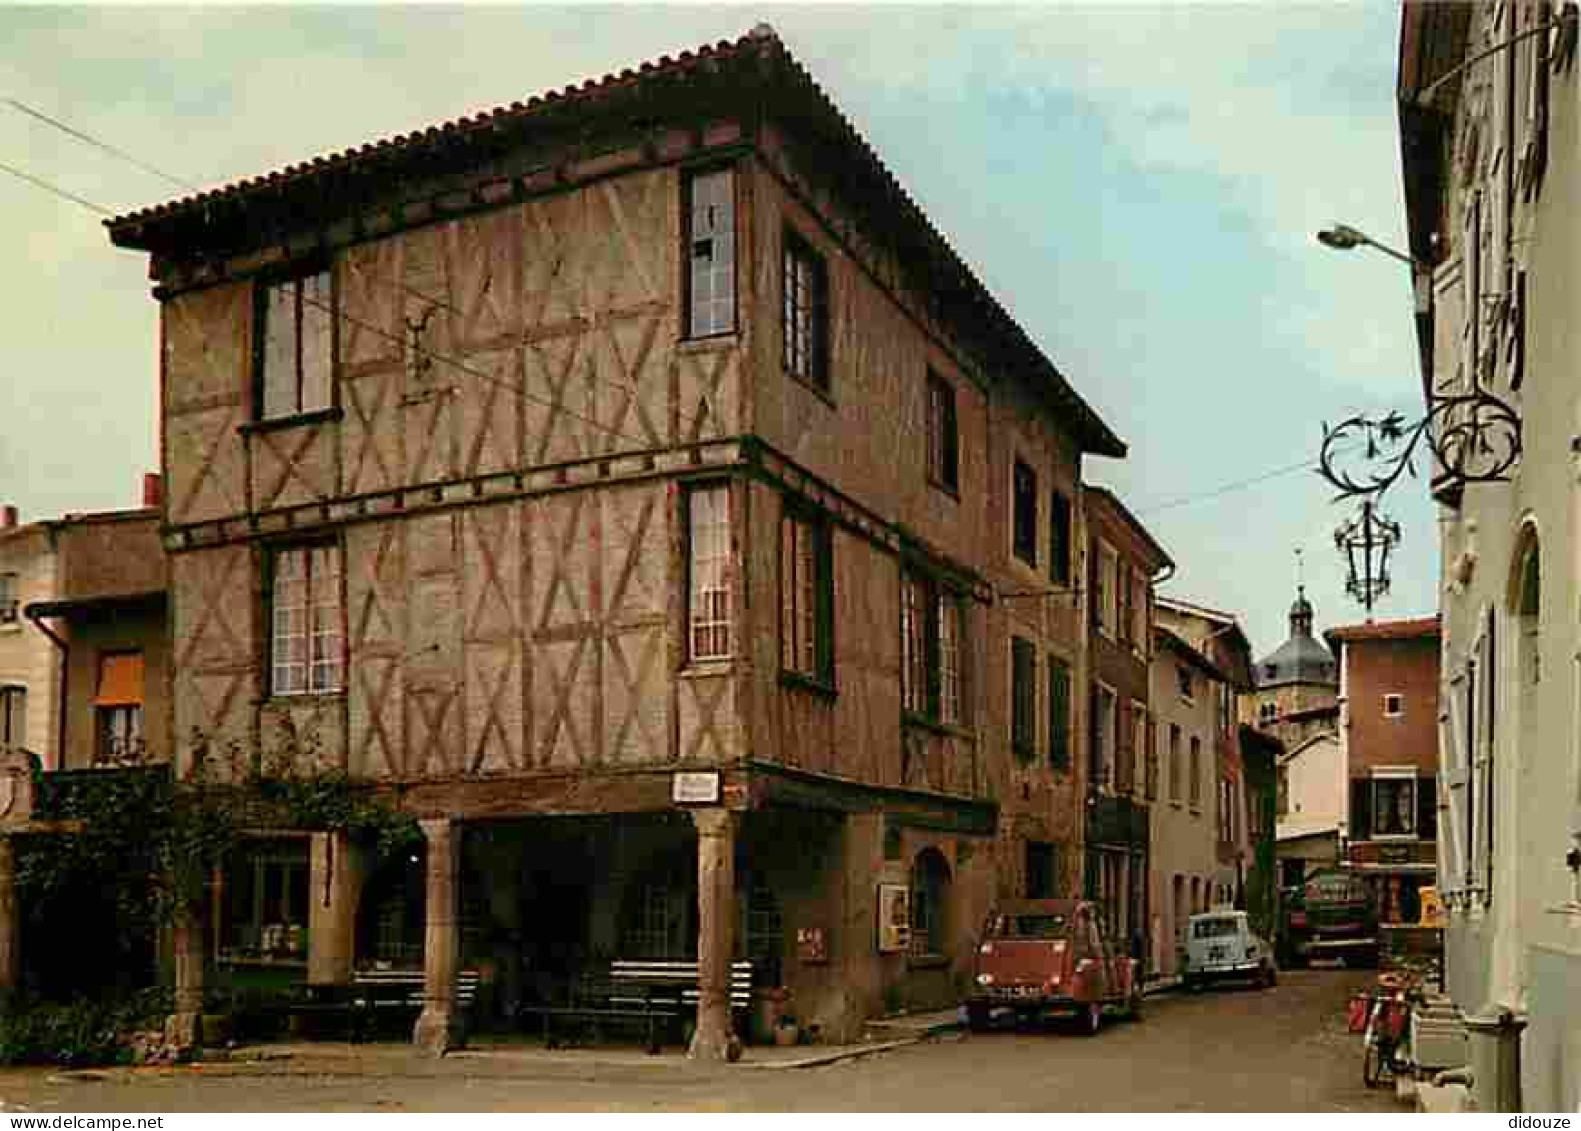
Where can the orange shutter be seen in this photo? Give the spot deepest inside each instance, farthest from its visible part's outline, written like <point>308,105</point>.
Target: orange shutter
<point>120,680</point>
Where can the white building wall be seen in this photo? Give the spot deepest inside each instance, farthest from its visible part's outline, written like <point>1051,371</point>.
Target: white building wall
<point>27,658</point>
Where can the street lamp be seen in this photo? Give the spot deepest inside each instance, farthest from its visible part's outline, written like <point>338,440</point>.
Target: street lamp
<point>1366,542</point>
<point>1343,237</point>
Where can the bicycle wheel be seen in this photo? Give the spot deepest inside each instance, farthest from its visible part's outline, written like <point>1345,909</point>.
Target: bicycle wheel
<point>1371,1065</point>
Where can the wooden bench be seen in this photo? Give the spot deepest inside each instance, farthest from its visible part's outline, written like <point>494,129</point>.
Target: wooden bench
<point>373,994</point>
<point>651,992</point>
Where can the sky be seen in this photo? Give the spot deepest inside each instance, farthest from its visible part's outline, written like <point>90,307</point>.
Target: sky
<point>1138,183</point>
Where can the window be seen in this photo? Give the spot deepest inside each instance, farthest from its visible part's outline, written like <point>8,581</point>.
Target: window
<point>118,705</point>
<point>1023,696</point>
<point>1136,756</point>
<point>1393,706</point>
<point>1060,547</point>
<point>933,648</point>
<point>307,636</point>
<point>295,345</point>
<point>1183,679</point>
<point>10,600</point>
<point>1174,762</point>
<point>1141,638</point>
<point>930,893</point>
<point>806,597</point>
<point>944,440</point>
<point>1393,803</point>
<point>1267,713</point>
<point>1108,590</point>
<point>1196,772</point>
<point>805,329</point>
<point>711,254</point>
<point>1150,745</point>
<point>1024,488</point>
<point>13,716</point>
<point>1059,714</point>
<point>1226,709</point>
<point>1226,811</point>
<point>709,571</point>
<point>266,902</point>
<point>1103,736</point>
<point>1123,622</point>
<point>1042,875</point>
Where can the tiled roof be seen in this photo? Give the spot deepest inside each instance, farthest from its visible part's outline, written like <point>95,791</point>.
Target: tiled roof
<point>761,58</point>
<point>1386,630</point>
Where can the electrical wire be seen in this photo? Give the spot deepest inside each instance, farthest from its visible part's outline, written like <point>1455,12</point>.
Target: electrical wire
<point>56,190</point>
<point>72,131</point>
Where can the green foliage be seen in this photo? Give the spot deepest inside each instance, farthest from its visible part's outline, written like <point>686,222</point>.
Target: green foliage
<point>79,1032</point>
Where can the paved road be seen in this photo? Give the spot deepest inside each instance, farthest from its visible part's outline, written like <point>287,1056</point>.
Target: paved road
<point>1236,1050</point>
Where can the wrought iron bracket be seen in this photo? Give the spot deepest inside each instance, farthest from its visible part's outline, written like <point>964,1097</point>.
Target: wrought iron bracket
<point>1473,437</point>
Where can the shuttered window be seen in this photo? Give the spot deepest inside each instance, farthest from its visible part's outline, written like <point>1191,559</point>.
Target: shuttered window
<point>1060,547</point>
<point>1023,697</point>
<point>943,435</point>
<point>1059,714</point>
<point>806,596</point>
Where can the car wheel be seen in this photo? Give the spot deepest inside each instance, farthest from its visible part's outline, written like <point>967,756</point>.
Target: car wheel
<point>1272,976</point>
<point>1091,1019</point>
<point>1134,1009</point>
<point>977,1018</point>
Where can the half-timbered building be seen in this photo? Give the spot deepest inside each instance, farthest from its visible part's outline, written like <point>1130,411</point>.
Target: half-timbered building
<point>635,486</point>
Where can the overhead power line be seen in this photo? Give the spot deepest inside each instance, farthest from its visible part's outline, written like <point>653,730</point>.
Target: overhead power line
<point>56,190</point>
<point>72,131</point>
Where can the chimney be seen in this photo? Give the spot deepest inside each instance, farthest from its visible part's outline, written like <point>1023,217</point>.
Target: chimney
<point>153,489</point>
<point>7,517</point>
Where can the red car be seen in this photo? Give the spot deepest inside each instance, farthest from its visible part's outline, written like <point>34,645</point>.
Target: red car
<point>1043,956</point>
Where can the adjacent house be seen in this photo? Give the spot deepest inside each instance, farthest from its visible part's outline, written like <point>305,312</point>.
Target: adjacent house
<point>1389,744</point>
<point>29,664</point>
<point>1488,121</point>
<point>1219,637</point>
<point>1185,694</point>
<point>1123,563</point>
<point>635,484</point>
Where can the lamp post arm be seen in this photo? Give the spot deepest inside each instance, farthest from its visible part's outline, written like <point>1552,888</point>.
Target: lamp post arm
<point>1425,95</point>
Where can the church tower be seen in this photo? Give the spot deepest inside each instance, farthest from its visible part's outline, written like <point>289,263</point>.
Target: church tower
<point>1297,686</point>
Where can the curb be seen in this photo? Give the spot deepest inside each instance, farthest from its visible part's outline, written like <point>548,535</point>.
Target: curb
<point>835,1056</point>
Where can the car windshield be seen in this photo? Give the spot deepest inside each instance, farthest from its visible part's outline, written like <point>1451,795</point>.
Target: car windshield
<point>1214,928</point>
<point>1027,927</point>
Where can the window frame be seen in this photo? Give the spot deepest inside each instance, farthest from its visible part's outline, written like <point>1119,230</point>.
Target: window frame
<point>13,715</point>
<point>1061,722</point>
<point>1024,512</point>
<point>726,586</point>
<point>1062,544</point>
<point>1023,698</point>
<point>119,721</point>
<point>800,521</point>
<point>689,329</point>
<point>928,604</point>
<point>265,285</point>
<point>10,599</point>
<point>943,434</point>
<point>796,249</point>
<point>1194,774</point>
<point>1105,736</point>
<point>1396,777</point>
<point>311,610</point>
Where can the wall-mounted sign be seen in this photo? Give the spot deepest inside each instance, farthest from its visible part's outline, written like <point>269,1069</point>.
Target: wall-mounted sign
<point>894,918</point>
<point>695,787</point>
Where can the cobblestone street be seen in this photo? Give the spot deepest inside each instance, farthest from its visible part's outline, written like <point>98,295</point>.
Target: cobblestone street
<point>1238,1050</point>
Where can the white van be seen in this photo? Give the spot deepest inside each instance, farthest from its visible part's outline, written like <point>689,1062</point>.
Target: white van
<point>1221,945</point>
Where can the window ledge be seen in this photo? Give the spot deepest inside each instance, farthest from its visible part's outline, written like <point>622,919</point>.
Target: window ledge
<point>709,343</point>
<point>927,961</point>
<point>800,681</point>
<point>707,669</point>
<point>814,388</point>
<point>276,423</point>
<point>286,699</point>
<point>949,730</point>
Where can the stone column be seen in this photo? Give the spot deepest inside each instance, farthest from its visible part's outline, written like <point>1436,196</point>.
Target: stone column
<point>10,921</point>
<point>439,1028</point>
<point>715,1038</point>
<point>334,881</point>
<point>1494,1044</point>
<point>184,1027</point>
